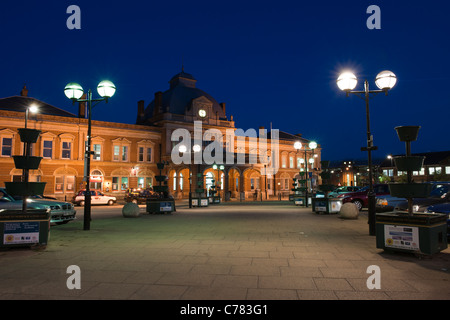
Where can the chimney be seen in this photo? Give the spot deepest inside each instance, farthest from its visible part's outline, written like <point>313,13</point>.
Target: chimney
<point>140,111</point>
<point>82,108</point>
<point>222,104</point>
<point>24,92</point>
<point>157,108</point>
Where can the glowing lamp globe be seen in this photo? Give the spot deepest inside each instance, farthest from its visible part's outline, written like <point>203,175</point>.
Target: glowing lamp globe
<point>386,80</point>
<point>347,81</point>
<point>106,89</point>
<point>312,145</point>
<point>182,149</point>
<point>73,91</point>
<point>298,145</point>
<point>196,148</point>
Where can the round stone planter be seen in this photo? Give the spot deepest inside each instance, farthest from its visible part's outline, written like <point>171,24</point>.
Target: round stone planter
<point>411,163</point>
<point>410,190</point>
<point>29,135</point>
<point>25,188</point>
<point>24,162</point>
<point>407,133</point>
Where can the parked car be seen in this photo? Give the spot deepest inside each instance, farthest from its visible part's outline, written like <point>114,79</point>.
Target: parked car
<point>387,203</point>
<point>360,197</point>
<point>61,212</point>
<point>441,208</point>
<point>96,198</point>
<point>437,196</point>
<point>341,190</point>
<point>140,196</point>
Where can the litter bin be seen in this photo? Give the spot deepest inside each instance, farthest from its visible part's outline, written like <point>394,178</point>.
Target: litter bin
<point>418,233</point>
<point>20,229</point>
<point>326,205</point>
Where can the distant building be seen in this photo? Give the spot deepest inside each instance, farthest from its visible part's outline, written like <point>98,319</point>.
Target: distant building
<point>126,155</point>
<point>436,167</point>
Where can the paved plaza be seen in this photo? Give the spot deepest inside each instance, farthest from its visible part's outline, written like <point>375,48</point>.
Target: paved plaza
<point>233,251</point>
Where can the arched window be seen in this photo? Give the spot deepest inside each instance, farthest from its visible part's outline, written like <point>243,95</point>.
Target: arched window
<point>174,181</point>
<point>209,179</point>
<point>96,180</point>
<point>181,182</point>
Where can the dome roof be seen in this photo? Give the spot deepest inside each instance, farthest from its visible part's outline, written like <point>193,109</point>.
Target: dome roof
<point>178,99</point>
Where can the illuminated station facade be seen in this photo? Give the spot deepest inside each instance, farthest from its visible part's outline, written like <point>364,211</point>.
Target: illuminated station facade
<point>252,163</point>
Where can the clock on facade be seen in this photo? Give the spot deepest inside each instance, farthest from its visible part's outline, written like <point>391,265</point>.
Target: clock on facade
<point>202,113</point>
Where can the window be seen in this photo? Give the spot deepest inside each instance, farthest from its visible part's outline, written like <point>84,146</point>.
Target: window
<point>174,181</point>
<point>283,161</point>
<point>64,183</point>
<point>291,162</point>
<point>447,170</point>
<point>299,162</point>
<point>116,152</point>
<point>124,182</point>
<point>47,150</point>
<point>59,184</point>
<point>66,149</point>
<point>115,183</point>
<point>149,154</point>
<point>124,153</point>
<point>181,182</point>
<point>286,184</point>
<point>6,147</point>
<point>97,152</point>
<point>141,154</point>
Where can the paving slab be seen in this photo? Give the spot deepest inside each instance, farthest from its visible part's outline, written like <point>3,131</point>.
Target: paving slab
<point>231,251</point>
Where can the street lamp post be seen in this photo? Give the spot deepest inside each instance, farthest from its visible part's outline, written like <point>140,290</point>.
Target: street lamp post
<point>74,91</point>
<point>312,145</point>
<point>27,152</point>
<point>385,81</point>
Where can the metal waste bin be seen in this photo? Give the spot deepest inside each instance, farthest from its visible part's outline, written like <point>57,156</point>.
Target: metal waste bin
<point>19,229</point>
<point>419,233</point>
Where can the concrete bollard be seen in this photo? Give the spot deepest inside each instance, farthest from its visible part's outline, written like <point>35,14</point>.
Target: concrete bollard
<point>349,211</point>
<point>131,210</point>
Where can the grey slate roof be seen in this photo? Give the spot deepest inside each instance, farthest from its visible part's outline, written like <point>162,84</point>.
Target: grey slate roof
<point>178,98</point>
<point>20,103</point>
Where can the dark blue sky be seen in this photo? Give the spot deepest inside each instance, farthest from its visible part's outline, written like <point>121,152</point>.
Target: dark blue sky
<point>270,61</point>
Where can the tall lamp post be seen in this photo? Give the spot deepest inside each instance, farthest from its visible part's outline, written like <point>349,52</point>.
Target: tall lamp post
<point>385,81</point>
<point>312,145</point>
<point>74,91</point>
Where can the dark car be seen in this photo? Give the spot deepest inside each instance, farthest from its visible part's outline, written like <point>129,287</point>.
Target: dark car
<point>437,196</point>
<point>441,208</point>
<point>140,196</point>
<point>341,190</point>
<point>360,197</point>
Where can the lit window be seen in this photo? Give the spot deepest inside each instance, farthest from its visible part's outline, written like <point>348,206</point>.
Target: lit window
<point>97,151</point>
<point>124,183</point>
<point>124,153</point>
<point>116,153</point>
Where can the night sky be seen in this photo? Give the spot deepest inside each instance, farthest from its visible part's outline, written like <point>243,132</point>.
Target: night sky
<point>271,62</point>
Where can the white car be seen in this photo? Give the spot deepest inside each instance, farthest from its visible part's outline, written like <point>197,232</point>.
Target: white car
<point>61,212</point>
<point>96,198</point>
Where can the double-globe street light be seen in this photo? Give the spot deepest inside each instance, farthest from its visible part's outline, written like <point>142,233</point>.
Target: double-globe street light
<point>182,149</point>
<point>74,91</point>
<point>385,81</point>
<point>312,145</point>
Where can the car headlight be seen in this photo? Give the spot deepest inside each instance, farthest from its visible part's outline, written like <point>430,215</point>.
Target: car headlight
<point>416,208</point>
<point>382,202</point>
